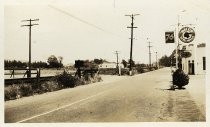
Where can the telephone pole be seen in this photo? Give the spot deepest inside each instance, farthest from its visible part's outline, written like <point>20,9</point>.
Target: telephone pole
<point>156,60</point>
<point>118,70</point>
<point>131,48</point>
<point>117,52</point>
<point>30,25</point>
<point>149,54</point>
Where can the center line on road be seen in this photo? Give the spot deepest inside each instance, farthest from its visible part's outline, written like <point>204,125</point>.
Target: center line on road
<point>62,107</point>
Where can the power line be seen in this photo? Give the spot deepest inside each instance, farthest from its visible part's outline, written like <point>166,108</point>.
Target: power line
<point>79,19</point>
<point>30,25</point>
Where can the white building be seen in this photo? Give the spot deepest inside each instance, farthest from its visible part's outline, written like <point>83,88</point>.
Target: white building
<point>196,63</point>
<point>110,65</point>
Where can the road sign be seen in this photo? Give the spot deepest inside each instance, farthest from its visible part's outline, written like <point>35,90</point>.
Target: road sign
<point>186,34</point>
<point>169,37</point>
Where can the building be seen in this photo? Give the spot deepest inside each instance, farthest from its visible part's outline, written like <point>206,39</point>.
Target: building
<point>110,65</point>
<point>196,63</point>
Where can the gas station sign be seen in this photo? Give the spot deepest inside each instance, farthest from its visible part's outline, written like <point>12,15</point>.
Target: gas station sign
<point>186,34</point>
<point>169,37</point>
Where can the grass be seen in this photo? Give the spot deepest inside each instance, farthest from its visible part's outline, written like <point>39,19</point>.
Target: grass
<point>60,81</point>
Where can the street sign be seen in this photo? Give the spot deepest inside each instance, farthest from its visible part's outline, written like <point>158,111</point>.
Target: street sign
<point>169,37</point>
<point>186,34</point>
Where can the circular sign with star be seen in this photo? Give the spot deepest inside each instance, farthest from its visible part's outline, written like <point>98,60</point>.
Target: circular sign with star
<point>186,34</point>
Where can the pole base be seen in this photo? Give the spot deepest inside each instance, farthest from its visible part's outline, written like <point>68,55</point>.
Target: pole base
<point>130,73</point>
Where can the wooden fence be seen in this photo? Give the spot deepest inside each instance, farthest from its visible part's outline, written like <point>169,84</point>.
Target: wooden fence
<point>13,72</point>
<point>25,71</point>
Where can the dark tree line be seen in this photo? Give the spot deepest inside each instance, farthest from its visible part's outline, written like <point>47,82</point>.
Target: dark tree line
<point>52,62</point>
<point>167,61</point>
<point>14,64</point>
<point>20,64</point>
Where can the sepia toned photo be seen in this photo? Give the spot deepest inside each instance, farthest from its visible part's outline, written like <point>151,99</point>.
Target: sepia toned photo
<point>105,61</point>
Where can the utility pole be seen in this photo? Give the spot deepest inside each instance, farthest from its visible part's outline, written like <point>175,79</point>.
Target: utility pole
<point>156,60</point>
<point>117,53</point>
<point>178,44</point>
<point>131,48</point>
<point>30,25</point>
<point>149,54</point>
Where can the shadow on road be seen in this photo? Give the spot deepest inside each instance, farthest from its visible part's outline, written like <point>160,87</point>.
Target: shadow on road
<point>172,88</point>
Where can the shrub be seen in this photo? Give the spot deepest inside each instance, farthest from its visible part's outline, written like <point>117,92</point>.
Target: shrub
<point>66,80</point>
<point>80,81</point>
<point>50,86</point>
<point>180,78</point>
<point>97,78</point>
<point>140,69</point>
<point>11,92</point>
<point>25,89</point>
<point>124,71</point>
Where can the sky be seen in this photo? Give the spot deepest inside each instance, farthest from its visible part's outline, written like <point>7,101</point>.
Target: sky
<point>77,29</point>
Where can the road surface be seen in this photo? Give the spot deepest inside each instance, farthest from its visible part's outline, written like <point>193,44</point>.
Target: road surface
<point>140,98</point>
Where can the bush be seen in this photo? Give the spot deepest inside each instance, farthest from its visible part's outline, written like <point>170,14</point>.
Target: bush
<point>140,69</point>
<point>11,92</point>
<point>25,90</point>
<point>124,71</point>
<point>66,80</point>
<point>50,86</point>
<point>97,78</point>
<point>60,81</point>
<point>80,81</point>
<point>180,78</point>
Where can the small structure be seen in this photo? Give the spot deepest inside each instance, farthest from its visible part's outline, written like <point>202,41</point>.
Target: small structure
<point>196,63</point>
<point>110,65</point>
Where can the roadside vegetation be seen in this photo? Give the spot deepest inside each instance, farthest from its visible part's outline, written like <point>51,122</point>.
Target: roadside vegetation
<point>60,81</point>
<point>66,79</point>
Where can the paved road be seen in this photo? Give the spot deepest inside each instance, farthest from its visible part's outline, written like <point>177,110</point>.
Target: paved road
<point>140,98</point>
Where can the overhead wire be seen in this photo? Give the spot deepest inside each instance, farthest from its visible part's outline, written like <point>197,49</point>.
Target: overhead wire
<point>81,20</point>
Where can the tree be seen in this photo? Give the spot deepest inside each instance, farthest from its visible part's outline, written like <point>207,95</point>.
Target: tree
<point>125,64</point>
<point>53,61</point>
<point>98,61</point>
<point>39,64</point>
<point>165,61</point>
<point>60,59</point>
<point>14,64</point>
<point>132,63</point>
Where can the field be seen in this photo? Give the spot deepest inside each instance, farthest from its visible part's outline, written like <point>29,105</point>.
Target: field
<point>44,72</point>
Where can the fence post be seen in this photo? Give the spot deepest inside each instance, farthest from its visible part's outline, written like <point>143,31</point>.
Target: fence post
<point>13,73</point>
<point>38,75</point>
